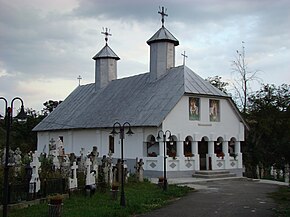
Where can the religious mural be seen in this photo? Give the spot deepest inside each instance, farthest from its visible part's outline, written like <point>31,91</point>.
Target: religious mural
<point>214,110</point>
<point>193,108</point>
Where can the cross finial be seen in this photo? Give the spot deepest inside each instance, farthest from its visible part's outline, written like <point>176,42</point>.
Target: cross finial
<point>184,56</point>
<point>106,33</point>
<point>163,14</point>
<point>79,78</point>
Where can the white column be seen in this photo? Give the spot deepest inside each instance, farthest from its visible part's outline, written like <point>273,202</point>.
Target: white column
<point>226,152</point>
<point>179,149</point>
<point>194,148</point>
<point>161,148</point>
<point>210,154</point>
<point>239,154</point>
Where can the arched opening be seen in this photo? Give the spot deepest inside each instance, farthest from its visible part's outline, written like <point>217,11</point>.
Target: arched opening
<point>232,143</point>
<point>187,147</point>
<point>171,149</point>
<point>152,146</point>
<point>218,147</point>
<point>202,151</point>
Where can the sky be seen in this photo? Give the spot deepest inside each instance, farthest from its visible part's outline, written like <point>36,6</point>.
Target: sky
<point>46,45</point>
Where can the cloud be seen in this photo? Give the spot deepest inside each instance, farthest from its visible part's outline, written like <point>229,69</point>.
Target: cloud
<point>45,45</point>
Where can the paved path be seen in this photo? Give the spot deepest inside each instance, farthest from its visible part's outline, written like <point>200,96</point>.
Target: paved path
<point>222,198</point>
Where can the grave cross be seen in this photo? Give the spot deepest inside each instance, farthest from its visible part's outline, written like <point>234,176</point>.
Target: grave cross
<point>163,14</point>
<point>184,56</point>
<point>106,33</point>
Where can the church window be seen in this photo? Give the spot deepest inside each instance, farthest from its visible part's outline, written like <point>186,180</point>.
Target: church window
<point>187,149</point>
<point>111,144</point>
<point>61,138</point>
<point>214,110</point>
<point>152,147</point>
<point>194,108</point>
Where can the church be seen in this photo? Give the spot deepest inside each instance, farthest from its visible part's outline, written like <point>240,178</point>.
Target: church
<point>202,127</point>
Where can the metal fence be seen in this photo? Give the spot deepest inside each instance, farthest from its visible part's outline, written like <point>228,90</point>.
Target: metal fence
<point>26,192</point>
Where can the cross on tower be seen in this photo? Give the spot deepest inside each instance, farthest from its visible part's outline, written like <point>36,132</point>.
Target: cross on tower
<point>79,78</point>
<point>184,56</point>
<point>163,14</point>
<point>106,33</point>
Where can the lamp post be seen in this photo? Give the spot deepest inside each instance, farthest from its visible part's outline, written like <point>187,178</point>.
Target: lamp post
<point>163,134</point>
<point>8,121</point>
<point>122,136</point>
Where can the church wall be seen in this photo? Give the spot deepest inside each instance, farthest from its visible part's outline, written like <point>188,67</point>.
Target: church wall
<point>179,124</point>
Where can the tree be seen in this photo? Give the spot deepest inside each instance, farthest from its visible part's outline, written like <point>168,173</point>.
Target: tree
<point>218,83</point>
<point>50,105</point>
<point>243,79</point>
<point>269,120</point>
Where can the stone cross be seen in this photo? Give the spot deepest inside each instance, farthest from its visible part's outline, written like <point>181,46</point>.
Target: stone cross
<point>140,170</point>
<point>73,182</point>
<point>35,165</point>
<point>90,176</point>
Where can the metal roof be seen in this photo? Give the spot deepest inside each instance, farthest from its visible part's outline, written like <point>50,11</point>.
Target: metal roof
<point>163,35</point>
<point>134,99</point>
<point>106,52</point>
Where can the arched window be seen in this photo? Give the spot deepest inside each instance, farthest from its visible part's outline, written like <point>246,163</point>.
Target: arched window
<point>232,147</point>
<point>218,147</point>
<point>111,144</point>
<point>171,149</point>
<point>152,146</point>
<point>187,148</point>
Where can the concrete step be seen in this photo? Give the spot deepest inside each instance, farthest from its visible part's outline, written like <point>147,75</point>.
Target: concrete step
<point>212,174</point>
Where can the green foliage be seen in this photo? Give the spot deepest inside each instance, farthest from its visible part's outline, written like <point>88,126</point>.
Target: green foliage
<point>218,83</point>
<point>140,198</point>
<point>269,120</point>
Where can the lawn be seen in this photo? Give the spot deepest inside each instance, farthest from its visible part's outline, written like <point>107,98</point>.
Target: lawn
<point>282,198</point>
<point>140,198</point>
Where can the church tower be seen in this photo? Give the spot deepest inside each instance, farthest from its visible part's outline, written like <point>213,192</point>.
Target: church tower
<point>162,50</point>
<point>105,64</point>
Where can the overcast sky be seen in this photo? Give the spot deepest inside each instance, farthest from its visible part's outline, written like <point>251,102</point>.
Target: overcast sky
<point>46,45</point>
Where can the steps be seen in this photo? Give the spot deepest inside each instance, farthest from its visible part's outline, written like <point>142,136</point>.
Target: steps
<point>212,174</point>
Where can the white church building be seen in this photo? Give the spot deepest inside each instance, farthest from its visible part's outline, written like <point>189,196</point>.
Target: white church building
<point>206,127</point>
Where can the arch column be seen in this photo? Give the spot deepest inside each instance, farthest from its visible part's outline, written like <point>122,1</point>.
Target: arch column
<point>239,157</point>
<point>194,148</point>
<point>226,152</point>
<point>210,158</point>
<point>179,149</point>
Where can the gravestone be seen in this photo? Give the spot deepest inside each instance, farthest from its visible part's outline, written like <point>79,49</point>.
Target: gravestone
<point>90,175</point>
<point>140,170</point>
<point>35,165</point>
<point>73,182</point>
<point>65,167</point>
<point>105,168</point>
<point>110,167</point>
<point>119,171</point>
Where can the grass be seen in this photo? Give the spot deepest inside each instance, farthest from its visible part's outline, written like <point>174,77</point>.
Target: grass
<point>282,198</point>
<point>140,198</point>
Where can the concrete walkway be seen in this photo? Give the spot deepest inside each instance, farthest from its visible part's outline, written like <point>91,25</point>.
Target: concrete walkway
<point>224,197</point>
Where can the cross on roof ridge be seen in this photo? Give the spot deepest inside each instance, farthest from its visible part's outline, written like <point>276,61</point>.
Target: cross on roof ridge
<point>184,56</point>
<point>163,14</point>
<point>106,33</point>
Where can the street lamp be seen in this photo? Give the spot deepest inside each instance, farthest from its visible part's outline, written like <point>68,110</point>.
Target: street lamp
<point>163,134</point>
<point>122,136</point>
<point>8,121</point>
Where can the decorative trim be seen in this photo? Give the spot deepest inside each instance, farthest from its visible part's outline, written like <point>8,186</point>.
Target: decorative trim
<point>205,125</point>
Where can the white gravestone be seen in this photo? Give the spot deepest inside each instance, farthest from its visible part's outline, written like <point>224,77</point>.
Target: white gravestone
<point>73,182</point>
<point>90,176</point>
<point>35,165</point>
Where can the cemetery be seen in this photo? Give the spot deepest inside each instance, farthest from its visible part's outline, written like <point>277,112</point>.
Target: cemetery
<point>53,179</point>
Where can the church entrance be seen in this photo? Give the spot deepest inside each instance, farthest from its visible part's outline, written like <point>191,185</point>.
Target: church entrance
<point>202,151</point>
